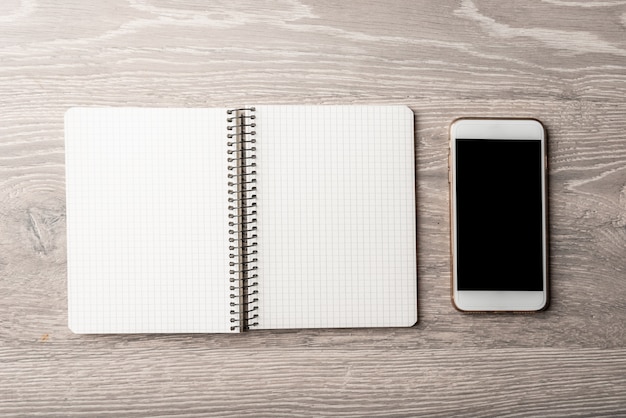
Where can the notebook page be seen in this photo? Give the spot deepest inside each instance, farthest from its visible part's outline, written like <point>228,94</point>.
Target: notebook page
<point>336,216</point>
<point>147,220</point>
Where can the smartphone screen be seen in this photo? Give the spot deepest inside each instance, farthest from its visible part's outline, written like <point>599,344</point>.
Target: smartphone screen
<point>499,214</point>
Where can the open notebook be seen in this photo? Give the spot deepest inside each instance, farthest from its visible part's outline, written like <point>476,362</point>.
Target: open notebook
<point>226,220</point>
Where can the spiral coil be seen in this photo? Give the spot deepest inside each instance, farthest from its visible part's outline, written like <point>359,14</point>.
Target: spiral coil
<point>242,218</point>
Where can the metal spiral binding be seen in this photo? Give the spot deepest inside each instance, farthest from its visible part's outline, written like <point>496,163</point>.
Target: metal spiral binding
<point>242,218</point>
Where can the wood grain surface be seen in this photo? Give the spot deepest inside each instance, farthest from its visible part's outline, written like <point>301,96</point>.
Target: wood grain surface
<point>561,61</point>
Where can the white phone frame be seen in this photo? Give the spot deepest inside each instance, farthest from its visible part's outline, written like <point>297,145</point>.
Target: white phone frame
<point>505,129</point>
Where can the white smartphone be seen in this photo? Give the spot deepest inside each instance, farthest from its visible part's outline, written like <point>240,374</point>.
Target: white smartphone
<point>498,188</point>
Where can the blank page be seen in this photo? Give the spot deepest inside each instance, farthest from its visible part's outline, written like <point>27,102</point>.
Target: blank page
<point>147,220</point>
<point>336,216</point>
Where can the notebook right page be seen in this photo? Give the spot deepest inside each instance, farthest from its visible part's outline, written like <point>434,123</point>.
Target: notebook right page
<point>336,216</point>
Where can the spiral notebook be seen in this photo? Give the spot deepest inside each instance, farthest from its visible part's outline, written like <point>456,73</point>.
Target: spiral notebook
<point>231,220</point>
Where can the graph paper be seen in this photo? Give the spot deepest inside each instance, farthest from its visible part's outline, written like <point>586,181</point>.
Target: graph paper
<point>147,220</point>
<point>336,203</point>
<point>148,226</point>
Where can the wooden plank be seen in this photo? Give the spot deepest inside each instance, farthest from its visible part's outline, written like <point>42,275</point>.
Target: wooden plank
<point>152,378</point>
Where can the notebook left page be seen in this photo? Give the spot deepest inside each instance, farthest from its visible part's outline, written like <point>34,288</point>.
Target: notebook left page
<point>147,220</point>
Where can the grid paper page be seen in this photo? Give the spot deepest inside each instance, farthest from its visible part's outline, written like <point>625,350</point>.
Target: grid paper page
<point>147,220</point>
<point>336,224</point>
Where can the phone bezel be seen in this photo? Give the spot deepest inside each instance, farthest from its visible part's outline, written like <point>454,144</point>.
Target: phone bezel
<point>497,129</point>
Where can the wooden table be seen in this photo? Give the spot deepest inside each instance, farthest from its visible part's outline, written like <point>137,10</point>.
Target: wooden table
<point>563,62</point>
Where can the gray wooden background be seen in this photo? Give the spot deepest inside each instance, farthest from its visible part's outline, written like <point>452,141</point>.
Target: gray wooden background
<point>561,61</point>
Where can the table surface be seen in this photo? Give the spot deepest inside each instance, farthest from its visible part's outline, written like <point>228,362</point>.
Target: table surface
<point>563,62</point>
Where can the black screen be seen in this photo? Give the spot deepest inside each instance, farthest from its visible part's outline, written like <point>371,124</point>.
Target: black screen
<point>499,215</point>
